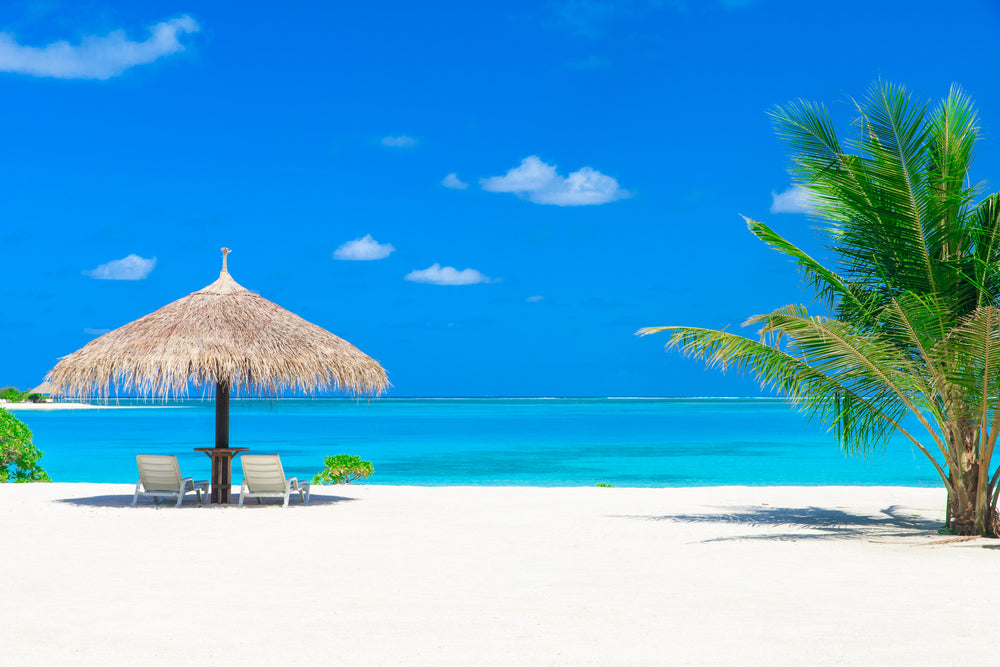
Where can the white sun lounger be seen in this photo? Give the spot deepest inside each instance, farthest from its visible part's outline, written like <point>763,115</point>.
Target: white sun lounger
<point>263,477</point>
<point>160,476</point>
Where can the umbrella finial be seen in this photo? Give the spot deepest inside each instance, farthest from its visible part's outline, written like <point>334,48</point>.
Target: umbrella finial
<point>225,251</point>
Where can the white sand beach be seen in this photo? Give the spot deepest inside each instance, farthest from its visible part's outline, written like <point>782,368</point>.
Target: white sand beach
<point>13,407</point>
<point>494,575</point>
<point>27,405</point>
<point>110,405</point>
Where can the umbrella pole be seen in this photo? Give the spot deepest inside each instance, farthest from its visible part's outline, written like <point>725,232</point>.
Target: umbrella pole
<point>222,414</point>
<point>222,461</point>
<point>222,454</point>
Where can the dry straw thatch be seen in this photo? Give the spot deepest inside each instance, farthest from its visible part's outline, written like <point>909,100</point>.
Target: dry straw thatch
<point>45,389</point>
<point>221,333</point>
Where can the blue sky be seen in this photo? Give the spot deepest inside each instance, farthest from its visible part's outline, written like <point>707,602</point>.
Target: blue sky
<point>529,182</point>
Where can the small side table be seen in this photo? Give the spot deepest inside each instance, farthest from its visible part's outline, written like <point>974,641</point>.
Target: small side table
<point>222,471</point>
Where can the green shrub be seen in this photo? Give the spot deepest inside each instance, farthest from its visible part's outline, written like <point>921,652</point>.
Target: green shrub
<point>605,485</point>
<point>343,469</point>
<point>13,395</point>
<point>18,457</point>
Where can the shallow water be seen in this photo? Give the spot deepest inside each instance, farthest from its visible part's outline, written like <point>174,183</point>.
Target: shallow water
<point>538,442</point>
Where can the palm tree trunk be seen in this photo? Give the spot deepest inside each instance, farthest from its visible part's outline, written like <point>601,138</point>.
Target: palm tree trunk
<point>970,510</point>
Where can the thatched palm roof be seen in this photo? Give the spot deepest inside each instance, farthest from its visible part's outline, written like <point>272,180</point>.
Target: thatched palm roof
<point>45,389</point>
<point>222,332</point>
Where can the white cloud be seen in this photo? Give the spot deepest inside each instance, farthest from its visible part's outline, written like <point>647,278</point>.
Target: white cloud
<point>534,299</point>
<point>94,57</point>
<point>540,183</point>
<point>363,249</point>
<point>401,141</point>
<point>95,332</point>
<point>452,181</point>
<point>447,275</point>
<point>795,199</point>
<point>132,267</point>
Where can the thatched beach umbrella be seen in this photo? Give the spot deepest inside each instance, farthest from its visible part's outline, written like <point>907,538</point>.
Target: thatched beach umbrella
<point>44,389</point>
<point>222,335</point>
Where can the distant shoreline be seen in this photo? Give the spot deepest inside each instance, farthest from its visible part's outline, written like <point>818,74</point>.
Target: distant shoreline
<point>137,402</point>
<point>45,407</point>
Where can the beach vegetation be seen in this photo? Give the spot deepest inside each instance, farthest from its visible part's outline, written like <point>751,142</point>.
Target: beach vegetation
<point>905,339</point>
<point>14,395</point>
<point>605,485</point>
<point>19,458</point>
<point>343,469</point>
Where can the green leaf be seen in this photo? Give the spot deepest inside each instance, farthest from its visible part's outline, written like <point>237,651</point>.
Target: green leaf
<point>18,456</point>
<point>343,469</point>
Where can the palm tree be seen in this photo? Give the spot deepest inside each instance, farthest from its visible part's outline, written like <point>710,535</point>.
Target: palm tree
<point>908,341</point>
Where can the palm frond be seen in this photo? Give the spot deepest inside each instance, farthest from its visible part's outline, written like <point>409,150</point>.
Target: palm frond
<point>893,141</point>
<point>915,323</point>
<point>807,127</point>
<point>836,181</point>
<point>860,422</point>
<point>984,233</point>
<point>829,286</point>
<point>970,358</point>
<point>862,360</point>
<point>872,203</point>
<point>867,361</point>
<point>952,134</point>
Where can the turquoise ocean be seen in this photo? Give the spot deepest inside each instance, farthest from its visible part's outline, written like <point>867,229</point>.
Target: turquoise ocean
<point>530,442</point>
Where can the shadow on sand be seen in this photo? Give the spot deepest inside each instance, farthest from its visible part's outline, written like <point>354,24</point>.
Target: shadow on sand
<point>815,523</point>
<point>191,502</point>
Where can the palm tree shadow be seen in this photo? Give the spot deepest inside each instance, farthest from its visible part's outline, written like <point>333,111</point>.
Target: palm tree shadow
<point>815,523</point>
<point>191,502</point>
